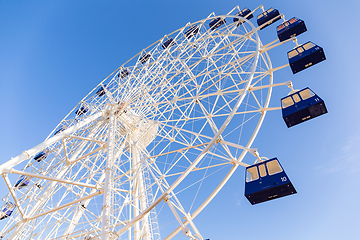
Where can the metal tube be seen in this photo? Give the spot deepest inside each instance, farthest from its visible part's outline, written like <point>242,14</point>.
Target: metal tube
<point>51,178</point>
<point>105,215</point>
<point>25,155</point>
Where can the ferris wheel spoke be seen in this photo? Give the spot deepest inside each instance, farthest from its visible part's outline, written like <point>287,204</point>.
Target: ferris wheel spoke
<point>195,135</point>
<point>221,78</point>
<point>227,104</point>
<point>178,205</point>
<point>226,160</point>
<point>186,146</point>
<point>204,204</point>
<point>184,68</point>
<point>191,99</point>
<point>212,124</point>
<point>203,168</point>
<point>159,103</point>
<point>187,217</point>
<point>258,79</point>
<point>219,93</point>
<point>186,231</point>
<point>257,101</point>
<point>203,70</point>
<point>172,139</point>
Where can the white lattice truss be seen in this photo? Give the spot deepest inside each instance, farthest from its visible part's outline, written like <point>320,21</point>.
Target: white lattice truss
<point>155,149</point>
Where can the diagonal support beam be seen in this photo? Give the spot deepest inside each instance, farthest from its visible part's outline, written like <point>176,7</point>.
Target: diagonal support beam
<point>65,205</point>
<point>31,152</point>
<point>51,178</point>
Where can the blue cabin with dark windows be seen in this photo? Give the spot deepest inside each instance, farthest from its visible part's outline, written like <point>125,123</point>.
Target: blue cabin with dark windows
<point>191,31</point>
<point>81,111</point>
<point>7,210</point>
<point>168,43</point>
<point>62,128</point>
<point>101,91</point>
<point>301,106</point>
<point>266,181</point>
<point>269,17</point>
<point>144,58</point>
<point>304,56</point>
<point>290,28</point>
<point>22,182</point>
<point>123,73</point>
<point>41,155</point>
<point>216,22</point>
<point>245,13</point>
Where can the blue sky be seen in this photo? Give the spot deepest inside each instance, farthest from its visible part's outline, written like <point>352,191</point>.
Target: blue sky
<point>52,53</point>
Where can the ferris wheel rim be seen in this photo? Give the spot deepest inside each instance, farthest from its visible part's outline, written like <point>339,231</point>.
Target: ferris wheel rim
<point>231,115</point>
<point>233,111</point>
<point>233,169</point>
<point>153,44</point>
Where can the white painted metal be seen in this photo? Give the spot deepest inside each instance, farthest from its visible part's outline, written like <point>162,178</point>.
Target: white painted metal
<point>105,214</point>
<point>159,132</point>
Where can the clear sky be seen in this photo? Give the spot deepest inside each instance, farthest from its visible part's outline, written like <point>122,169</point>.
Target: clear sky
<point>52,53</point>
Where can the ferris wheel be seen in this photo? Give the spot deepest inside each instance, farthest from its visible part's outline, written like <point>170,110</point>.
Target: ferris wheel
<point>149,147</point>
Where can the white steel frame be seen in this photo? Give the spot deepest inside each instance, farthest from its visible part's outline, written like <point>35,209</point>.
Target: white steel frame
<point>189,114</point>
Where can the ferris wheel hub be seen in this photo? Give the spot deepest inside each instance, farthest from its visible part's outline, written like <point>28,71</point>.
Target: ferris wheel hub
<point>138,130</point>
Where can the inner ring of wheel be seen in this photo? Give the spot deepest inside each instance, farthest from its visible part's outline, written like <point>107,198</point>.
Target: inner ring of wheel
<point>214,139</point>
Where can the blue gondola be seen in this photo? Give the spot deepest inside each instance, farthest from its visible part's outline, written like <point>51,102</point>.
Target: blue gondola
<point>191,31</point>
<point>7,210</point>
<point>81,111</point>
<point>304,56</point>
<point>290,28</point>
<point>216,22</point>
<point>62,128</point>
<point>168,43</point>
<point>266,181</point>
<point>101,91</point>
<point>243,13</point>
<point>269,17</point>
<point>301,106</point>
<point>41,155</point>
<point>123,73</point>
<point>144,58</point>
<point>22,182</point>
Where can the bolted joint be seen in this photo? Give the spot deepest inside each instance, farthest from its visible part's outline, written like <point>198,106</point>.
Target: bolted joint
<point>166,198</point>
<point>186,231</point>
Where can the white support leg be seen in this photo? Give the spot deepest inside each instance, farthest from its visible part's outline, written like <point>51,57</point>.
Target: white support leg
<point>105,218</point>
<point>139,197</point>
